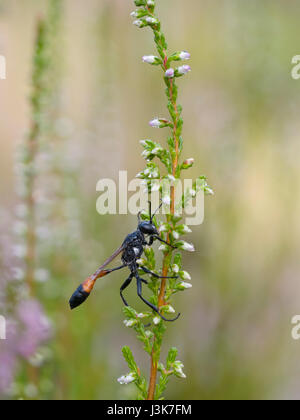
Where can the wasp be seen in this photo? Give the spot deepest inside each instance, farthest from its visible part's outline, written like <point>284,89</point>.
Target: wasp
<point>131,250</point>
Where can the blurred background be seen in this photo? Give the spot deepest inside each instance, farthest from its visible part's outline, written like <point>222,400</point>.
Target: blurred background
<point>242,126</point>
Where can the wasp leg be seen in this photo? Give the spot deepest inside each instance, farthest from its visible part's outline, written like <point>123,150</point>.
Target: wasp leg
<point>156,275</point>
<point>164,242</point>
<point>115,269</point>
<point>123,287</point>
<point>153,307</point>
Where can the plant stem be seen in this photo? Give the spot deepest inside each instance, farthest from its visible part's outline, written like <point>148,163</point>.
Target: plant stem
<point>166,260</point>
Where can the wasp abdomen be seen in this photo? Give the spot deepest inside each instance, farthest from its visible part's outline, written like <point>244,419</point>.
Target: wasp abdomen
<point>78,297</point>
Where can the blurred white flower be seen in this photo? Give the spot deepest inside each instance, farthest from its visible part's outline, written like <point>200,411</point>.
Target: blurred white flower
<point>138,23</point>
<point>185,275</point>
<point>178,366</point>
<point>41,275</point>
<point>184,55</point>
<point>150,59</point>
<point>126,379</point>
<point>186,246</point>
<point>186,285</point>
<point>184,69</point>
<point>175,268</point>
<point>170,73</point>
<point>129,322</point>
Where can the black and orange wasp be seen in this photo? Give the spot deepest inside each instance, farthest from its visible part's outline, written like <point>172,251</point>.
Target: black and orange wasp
<point>131,250</point>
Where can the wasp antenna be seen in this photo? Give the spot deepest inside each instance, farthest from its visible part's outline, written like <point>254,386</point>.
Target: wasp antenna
<point>160,206</point>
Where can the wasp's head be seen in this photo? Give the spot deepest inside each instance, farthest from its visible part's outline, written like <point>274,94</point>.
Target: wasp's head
<point>148,228</point>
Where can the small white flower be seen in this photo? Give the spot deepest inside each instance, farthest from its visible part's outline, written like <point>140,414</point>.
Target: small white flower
<point>41,275</point>
<point>186,246</point>
<point>154,174</point>
<point>175,235</point>
<point>138,23</point>
<point>19,251</point>
<point>175,268</point>
<point>134,14</point>
<point>142,315</point>
<point>129,322</point>
<point>163,248</point>
<point>184,55</point>
<point>143,143</point>
<point>209,191</point>
<point>186,285</point>
<point>127,379</point>
<point>170,73</point>
<point>21,210</point>
<point>186,229</point>
<point>178,366</point>
<point>166,200</point>
<point>147,171</point>
<point>156,150</point>
<point>169,309</point>
<point>192,192</point>
<point>189,162</point>
<point>151,20</point>
<point>171,178</point>
<point>156,320</point>
<point>148,334</point>
<point>141,261</point>
<point>163,228</point>
<point>18,273</point>
<point>150,3</point>
<point>155,186</point>
<point>185,275</point>
<point>184,69</point>
<point>20,227</point>
<point>150,59</point>
<point>146,153</point>
<point>155,123</point>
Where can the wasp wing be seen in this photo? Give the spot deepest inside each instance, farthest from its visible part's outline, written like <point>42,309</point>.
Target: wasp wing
<point>83,291</point>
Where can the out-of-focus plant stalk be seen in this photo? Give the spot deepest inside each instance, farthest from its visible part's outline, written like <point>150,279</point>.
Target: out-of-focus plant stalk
<point>31,149</point>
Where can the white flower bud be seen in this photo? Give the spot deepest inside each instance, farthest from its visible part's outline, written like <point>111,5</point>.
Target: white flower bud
<point>170,73</point>
<point>184,55</point>
<point>163,228</point>
<point>151,20</point>
<point>166,200</point>
<point>175,235</point>
<point>129,322</point>
<point>156,320</point>
<point>186,285</point>
<point>169,309</point>
<point>178,366</point>
<point>155,186</point>
<point>163,248</point>
<point>175,268</point>
<point>186,246</point>
<point>150,59</point>
<point>186,229</point>
<point>155,123</point>
<point>142,315</point>
<point>185,275</point>
<point>127,379</point>
<point>138,23</point>
<point>183,70</point>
